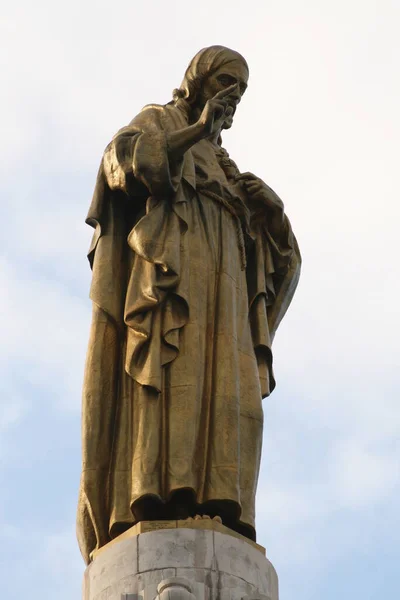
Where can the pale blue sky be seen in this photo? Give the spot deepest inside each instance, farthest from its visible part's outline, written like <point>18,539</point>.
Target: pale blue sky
<point>320,123</point>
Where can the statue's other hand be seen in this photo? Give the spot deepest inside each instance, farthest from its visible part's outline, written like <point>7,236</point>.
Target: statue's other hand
<point>216,111</point>
<point>260,191</point>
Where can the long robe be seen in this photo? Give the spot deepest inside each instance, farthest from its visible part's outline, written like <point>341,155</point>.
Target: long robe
<point>189,286</point>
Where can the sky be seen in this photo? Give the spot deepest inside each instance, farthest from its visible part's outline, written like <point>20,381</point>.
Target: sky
<point>320,124</point>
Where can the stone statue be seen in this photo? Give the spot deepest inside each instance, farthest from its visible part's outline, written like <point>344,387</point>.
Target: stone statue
<point>194,266</point>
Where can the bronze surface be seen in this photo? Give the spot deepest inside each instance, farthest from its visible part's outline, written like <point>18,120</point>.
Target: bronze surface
<point>194,265</point>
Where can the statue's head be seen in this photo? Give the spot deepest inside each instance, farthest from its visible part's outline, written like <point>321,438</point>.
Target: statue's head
<point>211,70</point>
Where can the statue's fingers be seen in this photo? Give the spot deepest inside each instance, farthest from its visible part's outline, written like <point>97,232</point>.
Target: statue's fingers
<point>218,108</point>
<point>225,92</point>
<point>253,189</point>
<point>252,183</point>
<point>247,175</point>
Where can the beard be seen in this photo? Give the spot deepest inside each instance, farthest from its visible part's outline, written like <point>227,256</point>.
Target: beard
<point>227,124</point>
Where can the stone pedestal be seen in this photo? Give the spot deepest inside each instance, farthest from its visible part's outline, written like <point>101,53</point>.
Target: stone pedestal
<point>202,560</point>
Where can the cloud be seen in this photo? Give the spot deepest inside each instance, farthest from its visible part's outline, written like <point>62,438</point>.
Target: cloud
<point>326,489</point>
<point>360,476</point>
<point>10,414</point>
<point>61,558</point>
<point>42,562</point>
<point>44,329</point>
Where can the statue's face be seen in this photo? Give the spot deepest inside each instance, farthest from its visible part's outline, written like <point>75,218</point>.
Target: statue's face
<point>225,76</point>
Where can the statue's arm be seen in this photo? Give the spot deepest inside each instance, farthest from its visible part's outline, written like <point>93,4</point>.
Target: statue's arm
<point>276,252</point>
<point>178,142</point>
<point>267,208</point>
<point>145,157</point>
<point>270,225</point>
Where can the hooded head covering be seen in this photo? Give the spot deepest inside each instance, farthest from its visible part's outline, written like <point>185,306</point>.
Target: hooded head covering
<point>204,64</point>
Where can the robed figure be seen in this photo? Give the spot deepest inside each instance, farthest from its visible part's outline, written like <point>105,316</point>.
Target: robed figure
<point>194,265</point>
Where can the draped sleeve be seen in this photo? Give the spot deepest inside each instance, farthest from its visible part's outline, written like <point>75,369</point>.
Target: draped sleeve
<point>141,177</point>
<point>272,277</point>
<point>137,159</point>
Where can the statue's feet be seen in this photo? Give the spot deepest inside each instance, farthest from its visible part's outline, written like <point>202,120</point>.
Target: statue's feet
<point>216,518</point>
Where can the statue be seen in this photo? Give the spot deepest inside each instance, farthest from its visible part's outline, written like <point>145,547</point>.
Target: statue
<point>194,265</point>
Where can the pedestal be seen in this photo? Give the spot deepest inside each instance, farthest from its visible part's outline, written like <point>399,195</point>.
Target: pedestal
<point>202,560</point>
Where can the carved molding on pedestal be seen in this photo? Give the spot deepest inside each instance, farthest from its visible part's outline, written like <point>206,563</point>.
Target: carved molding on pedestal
<point>180,588</point>
<point>175,588</point>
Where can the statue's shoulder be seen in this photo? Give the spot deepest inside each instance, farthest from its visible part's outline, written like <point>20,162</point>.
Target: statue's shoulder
<point>154,107</point>
<point>163,116</point>
<point>150,114</point>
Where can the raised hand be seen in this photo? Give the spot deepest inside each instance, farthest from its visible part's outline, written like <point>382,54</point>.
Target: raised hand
<point>216,111</point>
